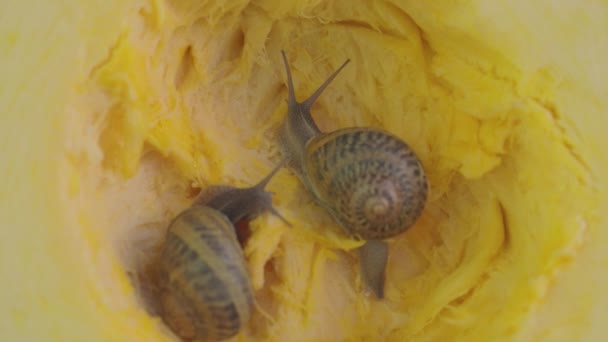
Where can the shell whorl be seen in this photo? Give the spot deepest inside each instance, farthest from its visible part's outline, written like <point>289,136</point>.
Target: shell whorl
<point>368,179</point>
<point>206,293</point>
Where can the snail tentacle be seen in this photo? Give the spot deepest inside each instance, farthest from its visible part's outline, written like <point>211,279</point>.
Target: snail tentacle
<point>307,104</point>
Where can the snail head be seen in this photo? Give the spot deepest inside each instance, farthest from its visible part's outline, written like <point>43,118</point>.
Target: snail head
<point>246,203</point>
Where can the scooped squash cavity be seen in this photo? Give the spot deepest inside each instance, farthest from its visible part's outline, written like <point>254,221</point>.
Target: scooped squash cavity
<point>129,107</point>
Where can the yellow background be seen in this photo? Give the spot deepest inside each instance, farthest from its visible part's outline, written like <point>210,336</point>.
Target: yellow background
<point>108,119</point>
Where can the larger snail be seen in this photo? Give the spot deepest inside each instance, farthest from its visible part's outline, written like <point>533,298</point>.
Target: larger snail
<point>205,291</point>
<point>368,179</point>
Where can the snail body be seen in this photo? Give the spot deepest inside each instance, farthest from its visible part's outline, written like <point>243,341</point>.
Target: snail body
<point>205,291</point>
<point>368,179</point>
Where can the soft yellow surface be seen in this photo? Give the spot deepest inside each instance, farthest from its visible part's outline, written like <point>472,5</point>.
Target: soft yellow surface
<point>113,110</point>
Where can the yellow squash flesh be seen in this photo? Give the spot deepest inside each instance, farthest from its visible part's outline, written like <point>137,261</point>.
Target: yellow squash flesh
<point>112,111</point>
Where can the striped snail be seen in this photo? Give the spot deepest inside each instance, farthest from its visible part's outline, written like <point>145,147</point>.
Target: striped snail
<point>205,291</point>
<point>369,180</point>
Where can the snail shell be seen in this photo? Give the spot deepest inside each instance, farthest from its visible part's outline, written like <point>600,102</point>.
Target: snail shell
<point>206,293</point>
<point>368,179</point>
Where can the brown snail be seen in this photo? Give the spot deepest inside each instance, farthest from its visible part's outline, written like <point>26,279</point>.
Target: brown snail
<point>368,179</point>
<point>205,291</point>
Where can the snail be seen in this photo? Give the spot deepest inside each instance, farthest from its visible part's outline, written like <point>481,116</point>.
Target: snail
<point>205,292</point>
<point>369,180</point>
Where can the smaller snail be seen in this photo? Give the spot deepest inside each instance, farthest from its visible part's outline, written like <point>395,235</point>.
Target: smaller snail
<point>205,291</point>
<point>368,179</point>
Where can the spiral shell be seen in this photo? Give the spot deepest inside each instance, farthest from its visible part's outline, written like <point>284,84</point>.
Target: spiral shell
<point>368,179</point>
<point>207,294</point>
